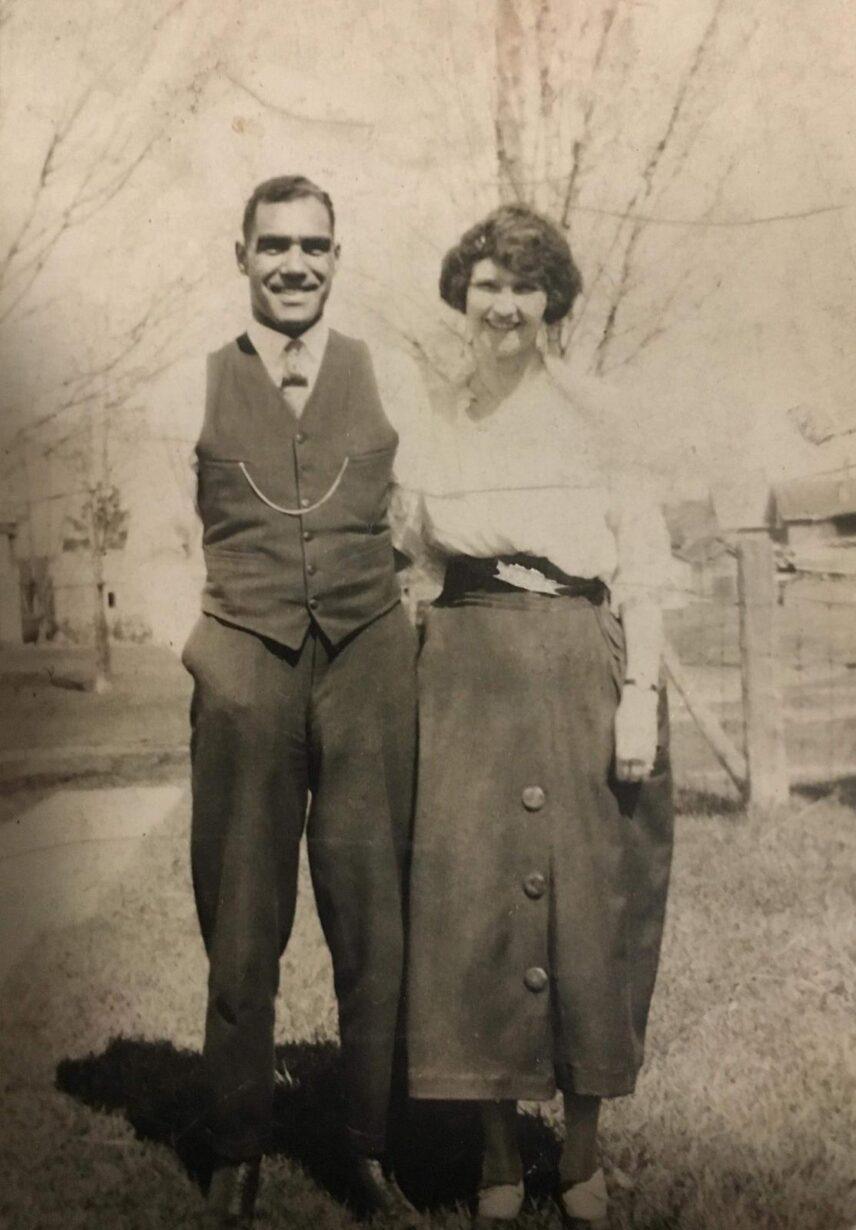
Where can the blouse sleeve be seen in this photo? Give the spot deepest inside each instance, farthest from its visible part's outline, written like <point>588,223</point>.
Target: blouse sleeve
<point>407,406</point>
<point>644,570</point>
<point>643,550</point>
<point>407,520</point>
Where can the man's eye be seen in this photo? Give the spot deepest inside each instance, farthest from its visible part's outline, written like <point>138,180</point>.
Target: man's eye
<point>315,247</point>
<point>526,288</point>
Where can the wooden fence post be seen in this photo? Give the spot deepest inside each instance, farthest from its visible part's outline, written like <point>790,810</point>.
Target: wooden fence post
<point>763,702</point>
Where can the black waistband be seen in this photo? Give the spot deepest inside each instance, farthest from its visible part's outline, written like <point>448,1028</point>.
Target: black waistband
<point>467,574</point>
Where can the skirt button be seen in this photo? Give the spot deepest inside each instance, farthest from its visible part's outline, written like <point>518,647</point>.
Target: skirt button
<point>533,798</point>
<point>534,885</point>
<point>535,978</point>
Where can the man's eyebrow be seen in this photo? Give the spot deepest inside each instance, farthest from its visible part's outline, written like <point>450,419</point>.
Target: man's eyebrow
<point>289,239</point>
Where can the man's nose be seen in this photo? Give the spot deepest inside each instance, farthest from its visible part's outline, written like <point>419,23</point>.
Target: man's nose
<point>293,259</point>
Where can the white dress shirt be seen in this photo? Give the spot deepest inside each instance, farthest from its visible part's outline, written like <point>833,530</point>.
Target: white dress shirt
<point>270,345</point>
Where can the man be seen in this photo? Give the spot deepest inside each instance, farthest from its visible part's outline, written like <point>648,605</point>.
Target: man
<point>303,664</point>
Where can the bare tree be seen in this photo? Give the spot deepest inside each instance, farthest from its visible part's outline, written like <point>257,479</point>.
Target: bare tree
<point>94,433</point>
<point>101,526</point>
<point>565,96</point>
<point>123,73</point>
<point>91,140</point>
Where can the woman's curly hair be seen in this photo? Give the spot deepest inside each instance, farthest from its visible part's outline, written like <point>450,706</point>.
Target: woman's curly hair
<point>531,246</point>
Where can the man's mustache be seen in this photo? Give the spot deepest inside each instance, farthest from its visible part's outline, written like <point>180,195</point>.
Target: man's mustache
<point>295,281</point>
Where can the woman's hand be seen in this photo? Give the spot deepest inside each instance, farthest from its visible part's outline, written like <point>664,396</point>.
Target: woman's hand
<point>635,733</point>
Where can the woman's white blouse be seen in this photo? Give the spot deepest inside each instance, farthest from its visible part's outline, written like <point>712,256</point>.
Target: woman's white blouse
<point>537,476</point>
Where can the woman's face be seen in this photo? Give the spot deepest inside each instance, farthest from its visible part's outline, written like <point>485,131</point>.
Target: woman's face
<point>504,310</point>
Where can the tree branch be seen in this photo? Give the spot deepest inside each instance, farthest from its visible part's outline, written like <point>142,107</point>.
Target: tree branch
<point>100,167</point>
<point>581,142</point>
<point>297,117</point>
<point>643,190</point>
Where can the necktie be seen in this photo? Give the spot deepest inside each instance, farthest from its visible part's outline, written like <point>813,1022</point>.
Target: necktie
<point>293,365</point>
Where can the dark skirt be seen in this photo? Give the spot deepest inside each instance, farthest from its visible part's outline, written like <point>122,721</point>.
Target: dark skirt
<point>538,881</point>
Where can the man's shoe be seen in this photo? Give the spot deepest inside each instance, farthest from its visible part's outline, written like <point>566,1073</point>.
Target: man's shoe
<point>381,1193</point>
<point>585,1206</point>
<point>232,1194</point>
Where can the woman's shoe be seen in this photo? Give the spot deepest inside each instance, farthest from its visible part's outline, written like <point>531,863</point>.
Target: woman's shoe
<point>585,1206</point>
<point>498,1204</point>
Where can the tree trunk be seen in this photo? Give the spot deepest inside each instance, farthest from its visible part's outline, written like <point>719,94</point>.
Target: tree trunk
<point>103,675</point>
<point>508,120</point>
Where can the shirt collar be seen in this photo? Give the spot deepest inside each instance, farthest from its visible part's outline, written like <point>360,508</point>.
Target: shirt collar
<point>269,343</point>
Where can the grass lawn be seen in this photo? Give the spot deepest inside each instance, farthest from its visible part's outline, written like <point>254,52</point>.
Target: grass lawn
<point>745,1117</point>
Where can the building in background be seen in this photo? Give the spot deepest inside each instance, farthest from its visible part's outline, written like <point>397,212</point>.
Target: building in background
<point>152,566</point>
<point>816,519</point>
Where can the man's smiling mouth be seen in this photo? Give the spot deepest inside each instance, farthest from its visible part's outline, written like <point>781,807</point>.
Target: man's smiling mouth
<point>287,292</point>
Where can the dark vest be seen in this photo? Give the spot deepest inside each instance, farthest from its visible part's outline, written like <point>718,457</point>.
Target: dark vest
<point>294,510</point>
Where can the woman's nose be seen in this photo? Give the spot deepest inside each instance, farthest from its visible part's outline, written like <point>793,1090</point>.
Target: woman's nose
<point>505,302</point>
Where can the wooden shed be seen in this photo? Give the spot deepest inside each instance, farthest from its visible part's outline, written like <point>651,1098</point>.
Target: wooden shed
<point>816,516</point>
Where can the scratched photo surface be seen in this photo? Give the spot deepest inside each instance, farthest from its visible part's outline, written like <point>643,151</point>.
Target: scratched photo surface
<point>700,158</point>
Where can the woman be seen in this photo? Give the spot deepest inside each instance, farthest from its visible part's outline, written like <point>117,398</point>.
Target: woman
<point>543,831</point>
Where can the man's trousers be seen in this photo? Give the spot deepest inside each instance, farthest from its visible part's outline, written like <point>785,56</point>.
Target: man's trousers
<point>270,728</point>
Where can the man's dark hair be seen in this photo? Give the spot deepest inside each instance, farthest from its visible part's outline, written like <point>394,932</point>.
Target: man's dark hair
<point>285,188</point>
<point>525,242</point>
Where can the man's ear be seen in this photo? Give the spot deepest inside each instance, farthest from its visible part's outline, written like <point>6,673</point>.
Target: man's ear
<point>241,255</point>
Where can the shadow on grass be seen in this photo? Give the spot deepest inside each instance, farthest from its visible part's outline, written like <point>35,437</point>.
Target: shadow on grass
<point>436,1147</point>
<point>693,802</point>
<point>158,1088</point>
<point>841,789</point>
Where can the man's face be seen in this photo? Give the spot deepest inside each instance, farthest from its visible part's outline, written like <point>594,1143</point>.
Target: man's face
<point>289,258</point>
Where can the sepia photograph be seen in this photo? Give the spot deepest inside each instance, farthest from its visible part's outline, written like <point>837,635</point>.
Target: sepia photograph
<point>428,614</point>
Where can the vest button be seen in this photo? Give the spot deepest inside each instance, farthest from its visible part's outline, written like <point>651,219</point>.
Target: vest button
<point>307,535</point>
<point>313,603</point>
<point>304,501</point>
<point>311,569</point>
<point>300,438</point>
<point>535,978</point>
<point>533,798</point>
<point>534,885</point>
